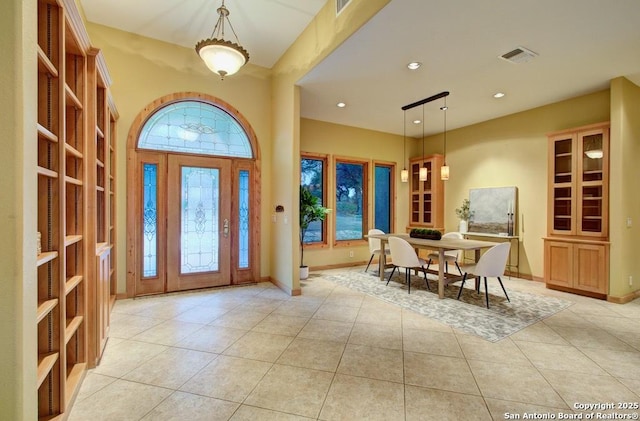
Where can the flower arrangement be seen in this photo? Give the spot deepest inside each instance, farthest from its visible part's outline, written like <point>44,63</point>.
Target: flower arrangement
<point>464,212</point>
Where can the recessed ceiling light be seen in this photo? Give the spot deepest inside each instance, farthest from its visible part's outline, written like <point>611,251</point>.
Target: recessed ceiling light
<point>444,108</point>
<point>417,121</point>
<point>414,65</point>
<point>341,105</point>
<point>498,95</point>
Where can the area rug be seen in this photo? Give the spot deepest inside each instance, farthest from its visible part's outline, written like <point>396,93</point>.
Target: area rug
<point>469,314</point>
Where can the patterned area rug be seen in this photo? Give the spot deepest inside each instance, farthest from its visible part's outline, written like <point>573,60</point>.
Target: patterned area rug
<point>470,314</point>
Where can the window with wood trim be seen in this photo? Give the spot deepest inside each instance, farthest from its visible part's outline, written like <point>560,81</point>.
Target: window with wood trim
<point>351,183</point>
<point>313,176</point>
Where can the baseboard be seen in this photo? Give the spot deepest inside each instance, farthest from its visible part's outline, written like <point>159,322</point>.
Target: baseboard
<point>625,298</point>
<point>597,295</point>
<point>338,266</point>
<point>290,291</point>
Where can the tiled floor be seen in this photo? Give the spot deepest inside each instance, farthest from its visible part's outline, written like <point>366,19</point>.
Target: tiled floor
<point>254,353</point>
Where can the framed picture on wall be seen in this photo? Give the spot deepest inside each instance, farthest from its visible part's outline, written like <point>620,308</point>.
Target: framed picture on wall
<point>493,210</point>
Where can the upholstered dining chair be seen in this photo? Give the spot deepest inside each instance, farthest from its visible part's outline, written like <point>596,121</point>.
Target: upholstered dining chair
<point>403,255</point>
<point>491,265</point>
<point>449,255</point>
<point>374,247</point>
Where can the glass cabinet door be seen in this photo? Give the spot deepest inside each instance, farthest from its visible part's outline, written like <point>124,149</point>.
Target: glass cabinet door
<point>563,184</point>
<point>592,158</point>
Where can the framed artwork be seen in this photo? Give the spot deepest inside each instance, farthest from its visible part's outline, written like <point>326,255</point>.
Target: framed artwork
<point>493,210</point>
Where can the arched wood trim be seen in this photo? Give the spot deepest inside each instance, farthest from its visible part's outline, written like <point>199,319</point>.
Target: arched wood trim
<point>132,177</point>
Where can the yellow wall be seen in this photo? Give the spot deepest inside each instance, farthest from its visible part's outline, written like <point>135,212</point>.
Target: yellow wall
<point>18,81</point>
<point>143,69</point>
<point>325,32</point>
<point>624,187</point>
<point>508,151</point>
<point>344,141</point>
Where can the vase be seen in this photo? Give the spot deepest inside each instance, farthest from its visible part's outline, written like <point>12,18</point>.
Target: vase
<point>464,226</point>
<point>304,272</point>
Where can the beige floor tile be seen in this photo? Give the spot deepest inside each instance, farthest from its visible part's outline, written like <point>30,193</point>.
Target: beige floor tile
<point>501,380</point>
<point>592,308</point>
<point>438,372</point>
<point>181,406</point>
<point>378,336</point>
<point>336,313</point>
<point>203,314</point>
<point>567,318</point>
<point>345,299</point>
<point>126,326</point>
<point>92,383</point>
<point>413,320</point>
<point>240,319</point>
<point>617,363</point>
<point>135,305</point>
<point>265,305</point>
<point>505,410</point>
<point>632,384</point>
<point>312,353</point>
<point>539,332</point>
<point>475,348</point>
<point>168,333</point>
<point>260,346</point>
<point>357,398</point>
<point>212,339</point>
<point>430,342</point>
<point>171,368</point>
<point>381,315</point>
<point>167,309</point>
<point>439,405</point>
<point>591,338</point>
<point>121,400</point>
<point>559,357</point>
<point>326,330</point>
<point>294,390</point>
<point>278,324</point>
<point>616,324</point>
<point>297,309</point>
<point>251,413</point>
<point>373,363</point>
<point>586,388</point>
<point>227,378</point>
<point>126,356</point>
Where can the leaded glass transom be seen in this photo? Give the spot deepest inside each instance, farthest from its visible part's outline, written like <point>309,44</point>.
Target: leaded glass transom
<point>195,127</point>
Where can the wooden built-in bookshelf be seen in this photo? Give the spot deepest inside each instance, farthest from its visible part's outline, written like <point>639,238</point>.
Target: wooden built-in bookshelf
<point>66,265</point>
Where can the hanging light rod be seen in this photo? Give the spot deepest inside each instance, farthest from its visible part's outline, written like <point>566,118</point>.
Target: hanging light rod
<point>424,101</point>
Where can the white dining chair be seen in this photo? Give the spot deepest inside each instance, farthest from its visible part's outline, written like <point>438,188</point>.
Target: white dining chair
<point>374,247</point>
<point>491,264</point>
<point>403,255</point>
<point>449,255</point>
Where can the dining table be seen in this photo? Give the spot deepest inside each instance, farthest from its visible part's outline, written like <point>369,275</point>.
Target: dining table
<point>441,246</point>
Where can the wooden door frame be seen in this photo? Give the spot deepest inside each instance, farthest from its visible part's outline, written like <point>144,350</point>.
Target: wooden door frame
<point>133,257</point>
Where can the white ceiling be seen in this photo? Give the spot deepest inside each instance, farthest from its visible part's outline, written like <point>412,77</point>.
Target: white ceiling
<point>581,46</point>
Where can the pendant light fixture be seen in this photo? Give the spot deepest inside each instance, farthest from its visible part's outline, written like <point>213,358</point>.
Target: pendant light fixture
<point>222,56</point>
<point>444,170</point>
<point>404,174</point>
<point>424,173</point>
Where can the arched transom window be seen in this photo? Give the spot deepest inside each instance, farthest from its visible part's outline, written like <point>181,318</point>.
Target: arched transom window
<point>195,127</point>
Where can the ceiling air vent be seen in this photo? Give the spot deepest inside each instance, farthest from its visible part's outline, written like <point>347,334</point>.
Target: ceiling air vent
<point>519,55</point>
<point>341,4</point>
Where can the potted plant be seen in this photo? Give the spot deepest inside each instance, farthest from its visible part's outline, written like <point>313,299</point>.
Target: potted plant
<point>464,213</point>
<point>310,211</point>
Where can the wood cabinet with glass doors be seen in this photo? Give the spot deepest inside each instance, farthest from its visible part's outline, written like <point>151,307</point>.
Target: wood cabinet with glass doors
<point>426,198</point>
<point>66,206</point>
<point>577,248</point>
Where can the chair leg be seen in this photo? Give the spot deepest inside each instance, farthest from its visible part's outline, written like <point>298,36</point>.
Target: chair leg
<point>407,276</point>
<point>426,281</point>
<point>428,264</point>
<point>505,291</point>
<point>458,266</point>
<point>367,268</point>
<point>392,272</point>
<point>446,267</point>
<point>464,278</point>
<point>486,291</point>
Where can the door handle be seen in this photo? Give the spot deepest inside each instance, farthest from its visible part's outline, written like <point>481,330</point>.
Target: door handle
<point>225,228</point>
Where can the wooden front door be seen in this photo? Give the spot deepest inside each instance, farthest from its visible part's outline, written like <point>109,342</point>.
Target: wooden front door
<point>186,229</point>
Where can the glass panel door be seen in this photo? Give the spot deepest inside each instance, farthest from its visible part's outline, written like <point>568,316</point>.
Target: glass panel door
<point>198,225</point>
